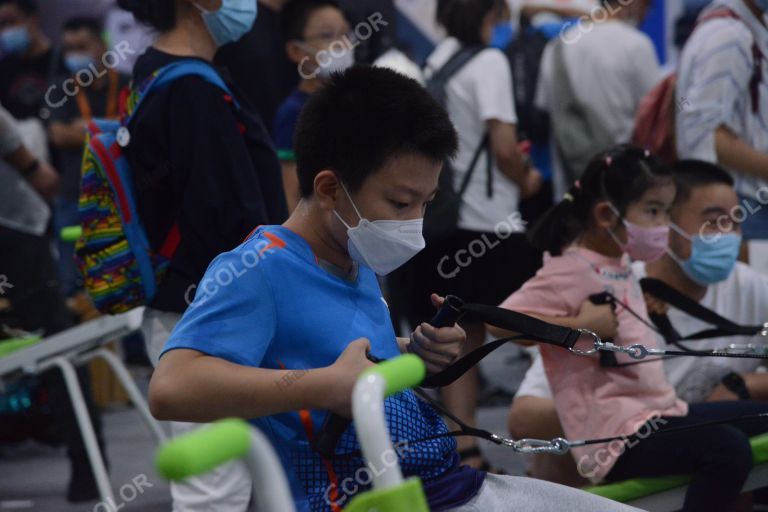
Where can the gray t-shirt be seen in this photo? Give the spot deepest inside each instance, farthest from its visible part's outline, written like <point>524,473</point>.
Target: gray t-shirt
<point>21,208</point>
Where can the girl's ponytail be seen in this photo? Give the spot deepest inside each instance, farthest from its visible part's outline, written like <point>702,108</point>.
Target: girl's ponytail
<point>559,226</point>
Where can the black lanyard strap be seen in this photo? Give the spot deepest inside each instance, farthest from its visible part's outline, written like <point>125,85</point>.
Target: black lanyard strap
<point>530,329</point>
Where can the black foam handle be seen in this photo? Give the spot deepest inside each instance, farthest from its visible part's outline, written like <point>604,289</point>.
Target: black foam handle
<point>600,299</point>
<point>449,313</point>
<point>334,425</point>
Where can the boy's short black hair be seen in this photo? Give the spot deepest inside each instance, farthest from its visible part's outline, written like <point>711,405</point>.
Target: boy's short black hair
<point>690,174</point>
<point>158,14</point>
<point>463,19</point>
<point>363,117</point>
<point>295,16</point>
<point>28,7</point>
<point>92,25</point>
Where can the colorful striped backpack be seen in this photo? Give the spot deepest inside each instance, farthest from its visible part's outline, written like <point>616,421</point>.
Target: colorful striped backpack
<point>120,269</point>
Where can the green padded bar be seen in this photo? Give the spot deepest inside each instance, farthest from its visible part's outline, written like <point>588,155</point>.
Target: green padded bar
<point>406,497</point>
<point>401,373</point>
<point>71,234</point>
<point>636,488</point>
<point>286,155</point>
<point>9,346</point>
<point>201,451</point>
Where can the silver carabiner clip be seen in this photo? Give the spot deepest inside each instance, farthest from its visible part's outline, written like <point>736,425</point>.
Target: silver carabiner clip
<point>557,446</point>
<point>597,342</point>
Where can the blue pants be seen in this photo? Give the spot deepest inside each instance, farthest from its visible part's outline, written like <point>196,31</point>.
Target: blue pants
<point>64,215</point>
<point>718,457</point>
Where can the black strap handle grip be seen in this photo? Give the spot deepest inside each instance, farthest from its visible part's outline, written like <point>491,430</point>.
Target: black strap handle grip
<point>600,299</point>
<point>334,425</point>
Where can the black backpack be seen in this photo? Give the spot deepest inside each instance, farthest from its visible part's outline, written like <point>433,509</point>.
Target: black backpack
<point>524,54</point>
<point>442,215</point>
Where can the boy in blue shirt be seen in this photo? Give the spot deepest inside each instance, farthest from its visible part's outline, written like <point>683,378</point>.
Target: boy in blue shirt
<point>283,322</point>
<point>310,28</point>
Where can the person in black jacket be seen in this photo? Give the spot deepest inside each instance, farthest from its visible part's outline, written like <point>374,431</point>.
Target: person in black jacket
<point>204,167</point>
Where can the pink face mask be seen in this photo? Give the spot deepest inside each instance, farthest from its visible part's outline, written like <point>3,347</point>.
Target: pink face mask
<point>643,244</point>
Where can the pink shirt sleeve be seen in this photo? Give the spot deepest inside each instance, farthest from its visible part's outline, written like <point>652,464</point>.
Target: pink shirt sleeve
<point>555,290</point>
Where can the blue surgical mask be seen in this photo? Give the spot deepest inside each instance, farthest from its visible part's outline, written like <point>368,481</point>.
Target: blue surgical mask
<point>15,40</point>
<point>78,61</point>
<point>502,35</point>
<point>713,257</point>
<point>231,22</point>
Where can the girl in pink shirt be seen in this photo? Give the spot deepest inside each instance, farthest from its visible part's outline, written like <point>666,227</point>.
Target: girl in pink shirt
<point>616,213</point>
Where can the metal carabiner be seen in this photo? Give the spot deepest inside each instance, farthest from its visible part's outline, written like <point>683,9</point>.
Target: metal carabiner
<point>764,332</point>
<point>597,342</point>
<point>557,446</point>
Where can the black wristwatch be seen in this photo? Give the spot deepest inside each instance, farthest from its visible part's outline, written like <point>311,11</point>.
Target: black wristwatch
<point>735,382</point>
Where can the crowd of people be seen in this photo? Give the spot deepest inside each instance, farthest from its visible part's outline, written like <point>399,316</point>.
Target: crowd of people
<point>309,190</point>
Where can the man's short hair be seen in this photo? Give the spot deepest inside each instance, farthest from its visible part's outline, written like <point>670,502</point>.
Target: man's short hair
<point>690,174</point>
<point>92,25</point>
<point>361,119</point>
<point>28,7</point>
<point>296,13</point>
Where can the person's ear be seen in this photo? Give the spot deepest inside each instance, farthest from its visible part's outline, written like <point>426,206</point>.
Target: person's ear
<point>326,189</point>
<point>603,215</point>
<point>295,52</point>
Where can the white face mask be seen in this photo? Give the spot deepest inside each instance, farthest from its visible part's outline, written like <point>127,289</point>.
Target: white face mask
<point>383,245</point>
<point>329,62</point>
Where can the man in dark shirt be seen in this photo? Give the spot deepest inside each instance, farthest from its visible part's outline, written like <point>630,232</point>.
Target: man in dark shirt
<point>200,164</point>
<point>28,62</point>
<point>97,92</point>
<point>258,64</point>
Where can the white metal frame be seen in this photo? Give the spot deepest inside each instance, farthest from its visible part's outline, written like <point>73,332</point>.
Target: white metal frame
<point>77,346</point>
<point>371,428</point>
<point>270,487</point>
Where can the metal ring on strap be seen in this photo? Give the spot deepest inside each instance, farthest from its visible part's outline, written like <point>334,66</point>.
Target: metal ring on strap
<point>595,338</point>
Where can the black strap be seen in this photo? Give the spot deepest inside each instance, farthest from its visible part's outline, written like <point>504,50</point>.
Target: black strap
<point>485,144</point>
<point>723,326</point>
<point>436,86</point>
<point>529,328</point>
<point>533,329</point>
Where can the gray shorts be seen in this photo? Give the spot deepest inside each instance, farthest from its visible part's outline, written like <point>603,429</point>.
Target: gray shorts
<point>501,493</point>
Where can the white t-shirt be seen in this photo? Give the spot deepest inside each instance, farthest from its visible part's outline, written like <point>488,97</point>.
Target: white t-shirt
<point>713,87</point>
<point>612,66</point>
<point>742,298</point>
<point>480,91</point>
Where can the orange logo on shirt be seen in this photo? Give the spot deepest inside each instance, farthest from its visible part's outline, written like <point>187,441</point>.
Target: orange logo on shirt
<point>275,242</point>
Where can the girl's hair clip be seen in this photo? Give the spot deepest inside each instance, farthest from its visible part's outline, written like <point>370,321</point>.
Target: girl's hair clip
<point>647,153</point>
<point>608,161</point>
<point>577,184</point>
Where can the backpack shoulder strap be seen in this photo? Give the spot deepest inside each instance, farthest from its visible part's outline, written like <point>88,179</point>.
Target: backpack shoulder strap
<point>436,84</point>
<point>172,72</point>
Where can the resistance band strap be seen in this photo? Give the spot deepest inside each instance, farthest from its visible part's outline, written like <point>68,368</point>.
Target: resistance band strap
<point>529,328</point>
<point>723,326</point>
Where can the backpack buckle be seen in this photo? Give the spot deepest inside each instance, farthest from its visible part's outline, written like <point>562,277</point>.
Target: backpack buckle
<point>123,137</point>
